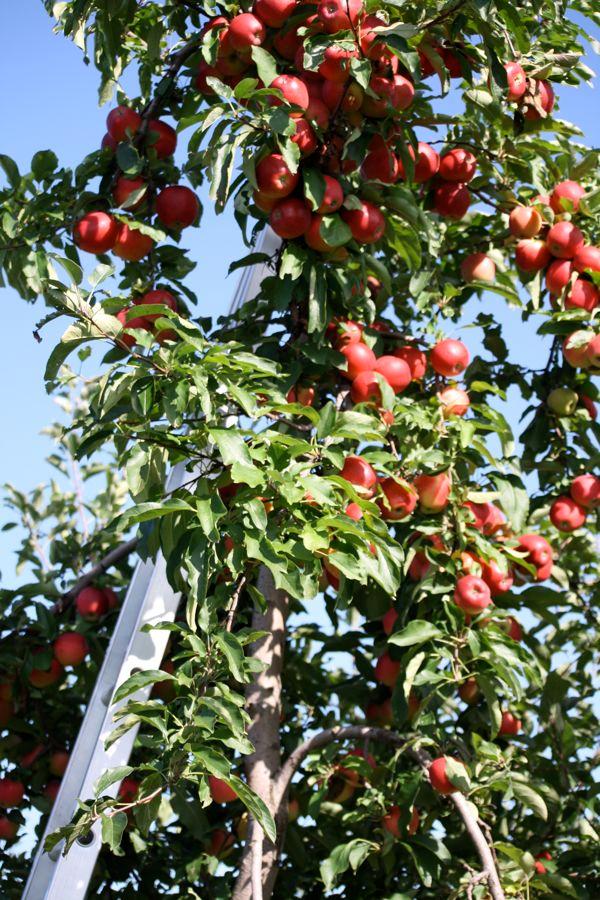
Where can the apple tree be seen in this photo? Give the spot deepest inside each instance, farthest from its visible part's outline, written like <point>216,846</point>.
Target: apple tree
<point>379,682</point>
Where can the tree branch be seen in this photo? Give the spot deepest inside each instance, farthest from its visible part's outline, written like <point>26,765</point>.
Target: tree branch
<point>111,558</point>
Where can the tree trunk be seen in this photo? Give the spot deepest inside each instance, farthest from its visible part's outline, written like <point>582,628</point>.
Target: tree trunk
<point>263,704</point>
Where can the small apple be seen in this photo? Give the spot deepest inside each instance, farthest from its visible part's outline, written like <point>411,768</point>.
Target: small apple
<point>454,401</point>
<point>96,232</point>
<point>42,678</point>
<point>415,359</point>
<point>290,218</point>
<point>438,775</point>
<point>558,275</point>
<point>360,474</point>
<point>123,123</point>
<point>562,401</point>
<point>220,790</point>
<point>532,255</point>
<point>469,691</point>
<point>524,221</point>
<point>399,500</point>
<point>538,553</point>
<point>367,223</point>
<point>70,648</point>
<point>575,348</point>
<point>566,196</point>
<point>391,822</point>
<point>509,725</point>
<point>131,245</point>
<point>387,670</point>
<point>395,371</point>
<point>12,793</point>
<point>91,603</point>
<point>161,138</point>
<point>517,80</point>
<point>59,760</point>
<point>451,200</point>
<point>433,491</point>
<point>245,31</point>
<point>564,239</point>
<point>359,358</point>
<point>478,267</point>
<point>177,206</point>
<point>274,177</point>
<point>458,165</point>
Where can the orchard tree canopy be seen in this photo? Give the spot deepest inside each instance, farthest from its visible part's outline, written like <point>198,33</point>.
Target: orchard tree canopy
<point>379,683</point>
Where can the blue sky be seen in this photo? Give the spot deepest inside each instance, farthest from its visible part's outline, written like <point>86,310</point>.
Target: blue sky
<point>49,100</point>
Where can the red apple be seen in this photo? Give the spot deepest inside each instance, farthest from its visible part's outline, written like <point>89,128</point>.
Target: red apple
<point>567,515</point>
<point>365,388</point>
<point>517,80</point>
<point>566,196</point>
<point>8,829</point>
<point>593,352</point>
<point>433,491</point>
<point>128,789</point>
<point>387,670</point>
<point>221,843</point>
<point>472,594</point>
<point>426,166</point>
<point>589,405</point>
<point>488,517</point>
<point>509,725</point>
<point>540,868</point>
<point>415,359</point>
<point>367,223</point>
<point>564,239</point>
<point>131,245</point>
<point>91,603</point>
<point>303,394</point>
<point>339,15</point>
<point>498,580</point>
<point>524,221</point>
<point>513,629</point>
<point>151,298</point>
<point>336,64</point>
<point>400,499</point>
<point>458,165</point>
<point>294,92</point>
<point>532,256</point>
<point>42,678</point>
<point>274,13</point>
<point>451,200</point>
<point>124,189</point>
<point>96,232</point>
<point>122,123</point>
<point>449,357</point>
<point>290,218</point>
<point>333,196</point>
<point>359,358</point>
<point>582,295</point>
<point>538,553</point>
<point>359,473</point>
<point>220,790</point>
<point>587,258</point>
<point>395,371</point>
<point>304,136</point>
<point>558,275</point>
<point>274,177</point>
<point>354,511</point>
<point>454,401</point>
<point>177,206</point>
<point>469,691</point>
<point>544,93</point>
<point>59,760</point>
<point>389,620</point>
<point>380,164</point>
<point>478,267</point>
<point>161,138</point>
<point>342,332</point>
<point>585,490</point>
<point>438,775</point>
<point>575,348</point>
<point>70,648</point>
<point>391,822</point>
<point>245,31</point>
<point>12,793</point>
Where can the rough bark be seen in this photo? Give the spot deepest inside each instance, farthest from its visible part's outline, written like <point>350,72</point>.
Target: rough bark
<point>263,705</point>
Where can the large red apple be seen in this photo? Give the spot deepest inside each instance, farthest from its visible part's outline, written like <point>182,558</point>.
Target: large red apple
<point>478,267</point>
<point>361,474</point>
<point>575,348</point>
<point>290,218</point>
<point>8,829</point>
<point>414,358</point>
<point>451,200</point>
<point>587,258</point>
<point>449,357</point>
<point>524,221</point>
<point>42,678</point>
<point>91,603</point>
<point>517,80</point>
<point>359,358</point>
<point>558,275</point>
<point>395,371</point>
<point>567,515</point>
<point>472,594</point>
<point>274,177</point>
<point>458,165</point>
<point>124,191</point>
<point>339,15</point>
<point>585,490</point>
<point>566,196</point>
<point>274,13</point>
<point>220,790</point>
<point>564,239</point>
<point>438,775</point>
<point>538,553</point>
<point>246,31</point>
<point>294,91</point>
<point>12,793</point>
<point>70,648</point>
<point>387,670</point>
<point>161,138</point>
<point>400,499</point>
<point>96,232</point>
<point>433,491</point>
<point>122,123</point>
<point>367,223</point>
<point>131,245</point>
<point>532,255</point>
<point>177,206</point>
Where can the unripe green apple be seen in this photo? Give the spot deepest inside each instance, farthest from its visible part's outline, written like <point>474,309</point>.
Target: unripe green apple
<point>562,401</point>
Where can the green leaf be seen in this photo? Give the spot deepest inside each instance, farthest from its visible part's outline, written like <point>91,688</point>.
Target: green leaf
<point>530,798</point>
<point>113,827</point>
<point>265,65</point>
<point>140,680</point>
<point>513,499</point>
<point>314,186</point>
<point>110,777</point>
<point>254,805</point>
<point>344,856</point>
<point>416,632</point>
<point>233,652</point>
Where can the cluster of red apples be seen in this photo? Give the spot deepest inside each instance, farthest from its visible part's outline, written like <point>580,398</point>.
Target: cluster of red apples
<point>69,650</point>
<point>570,512</point>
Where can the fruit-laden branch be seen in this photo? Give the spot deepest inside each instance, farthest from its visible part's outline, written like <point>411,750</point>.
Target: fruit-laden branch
<point>354,732</point>
<point>111,558</point>
<point>176,61</point>
<point>258,867</point>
